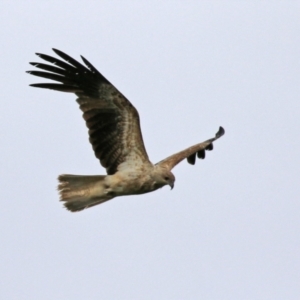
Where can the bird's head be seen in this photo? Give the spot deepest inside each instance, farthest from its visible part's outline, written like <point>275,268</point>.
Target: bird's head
<point>163,177</point>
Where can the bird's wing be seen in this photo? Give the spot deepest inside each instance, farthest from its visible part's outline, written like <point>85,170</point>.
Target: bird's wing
<point>191,152</point>
<point>113,122</point>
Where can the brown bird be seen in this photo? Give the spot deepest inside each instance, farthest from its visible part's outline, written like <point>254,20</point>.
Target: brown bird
<point>115,134</point>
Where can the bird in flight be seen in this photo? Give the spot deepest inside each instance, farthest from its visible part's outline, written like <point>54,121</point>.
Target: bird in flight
<point>115,135</point>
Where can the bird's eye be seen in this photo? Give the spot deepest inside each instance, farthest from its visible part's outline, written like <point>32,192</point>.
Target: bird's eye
<point>166,178</point>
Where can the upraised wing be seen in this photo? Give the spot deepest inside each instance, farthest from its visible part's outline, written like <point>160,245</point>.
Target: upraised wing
<point>191,152</point>
<point>113,122</point>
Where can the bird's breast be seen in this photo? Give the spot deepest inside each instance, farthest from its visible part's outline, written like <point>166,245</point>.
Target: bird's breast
<point>130,183</point>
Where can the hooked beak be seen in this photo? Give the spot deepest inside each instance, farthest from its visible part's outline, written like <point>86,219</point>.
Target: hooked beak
<point>171,185</point>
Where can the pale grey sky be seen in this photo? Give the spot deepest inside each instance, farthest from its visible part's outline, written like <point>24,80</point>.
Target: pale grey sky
<point>230,229</point>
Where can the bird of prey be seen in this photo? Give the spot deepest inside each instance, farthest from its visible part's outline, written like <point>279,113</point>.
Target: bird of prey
<point>115,135</point>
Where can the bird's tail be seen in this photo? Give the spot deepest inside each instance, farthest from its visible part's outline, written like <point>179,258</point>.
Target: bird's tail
<point>79,192</point>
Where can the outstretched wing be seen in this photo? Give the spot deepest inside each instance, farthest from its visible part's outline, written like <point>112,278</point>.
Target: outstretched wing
<point>113,122</point>
<point>190,153</point>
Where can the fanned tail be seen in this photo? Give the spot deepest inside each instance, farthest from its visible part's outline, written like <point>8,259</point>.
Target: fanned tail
<point>79,192</point>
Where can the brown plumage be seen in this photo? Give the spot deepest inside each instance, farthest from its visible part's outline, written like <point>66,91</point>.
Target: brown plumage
<point>115,135</point>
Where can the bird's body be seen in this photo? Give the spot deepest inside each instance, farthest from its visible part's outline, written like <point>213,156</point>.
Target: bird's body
<point>86,191</point>
<point>114,131</point>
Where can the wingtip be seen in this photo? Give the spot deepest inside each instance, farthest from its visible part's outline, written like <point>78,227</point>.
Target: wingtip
<point>34,85</point>
<point>84,59</point>
<point>220,132</point>
<point>58,52</point>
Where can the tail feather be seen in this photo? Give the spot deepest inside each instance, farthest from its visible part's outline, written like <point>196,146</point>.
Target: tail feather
<point>79,192</point>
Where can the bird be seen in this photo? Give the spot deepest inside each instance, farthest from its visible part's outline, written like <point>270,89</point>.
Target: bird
<point>114,132</point>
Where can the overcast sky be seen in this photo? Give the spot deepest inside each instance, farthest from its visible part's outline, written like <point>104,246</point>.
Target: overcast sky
<point>230,229</point>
